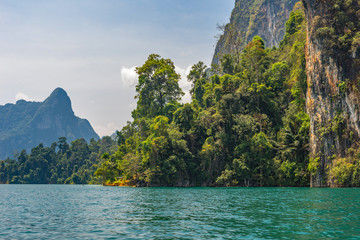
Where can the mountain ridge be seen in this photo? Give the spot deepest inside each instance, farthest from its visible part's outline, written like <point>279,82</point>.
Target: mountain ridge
<point>25,124</point>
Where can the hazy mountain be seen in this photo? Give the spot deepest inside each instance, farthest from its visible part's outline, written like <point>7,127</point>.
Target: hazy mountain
<point>26,124</point>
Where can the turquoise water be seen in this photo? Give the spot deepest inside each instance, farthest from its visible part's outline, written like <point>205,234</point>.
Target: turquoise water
<point>96,212</point>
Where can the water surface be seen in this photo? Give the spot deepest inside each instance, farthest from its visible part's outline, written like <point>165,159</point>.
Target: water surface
<point>96,212</point>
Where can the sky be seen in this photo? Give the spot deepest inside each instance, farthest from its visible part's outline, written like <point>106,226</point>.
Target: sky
<point>90,48</point>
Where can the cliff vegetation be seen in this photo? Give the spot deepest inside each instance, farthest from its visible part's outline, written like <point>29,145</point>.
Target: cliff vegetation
<point>249,18</point>
<point>333,73</point>
<point>281,113</point>
<point>244,127</point>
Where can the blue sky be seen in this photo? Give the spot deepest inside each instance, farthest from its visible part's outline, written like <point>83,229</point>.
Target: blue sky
<point>90,47</point>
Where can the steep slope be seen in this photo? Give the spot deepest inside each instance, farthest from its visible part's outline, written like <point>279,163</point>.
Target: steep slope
<point>249,18</point>
<point>26,124</point>
<point>333,72</point>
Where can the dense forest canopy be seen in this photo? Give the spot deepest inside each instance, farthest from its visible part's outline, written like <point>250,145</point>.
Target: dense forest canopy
<point>246,125</point>
<point>58,164</point>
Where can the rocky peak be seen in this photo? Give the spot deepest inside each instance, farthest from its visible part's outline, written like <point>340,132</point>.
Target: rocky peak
<point>59,100</point>
<point>249,18</point>
<point>59,94</point>
<point>26,124</point>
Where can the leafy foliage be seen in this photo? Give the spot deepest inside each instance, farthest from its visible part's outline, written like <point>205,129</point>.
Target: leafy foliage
<point>245,126</point>
<point>157,87</point>
<point>60,163</point>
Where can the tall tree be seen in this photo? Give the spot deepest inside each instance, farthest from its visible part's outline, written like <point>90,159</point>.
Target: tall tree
<point>158,85</point>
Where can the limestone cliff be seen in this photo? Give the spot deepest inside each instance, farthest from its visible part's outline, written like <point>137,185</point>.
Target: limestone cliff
<point>249,18</point>
<point>333,72</point>
<point>24,125</point>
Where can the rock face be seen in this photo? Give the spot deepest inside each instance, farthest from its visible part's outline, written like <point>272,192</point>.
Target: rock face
<point>24,125</point>
<point>333,72</point>
<point>265,18</point>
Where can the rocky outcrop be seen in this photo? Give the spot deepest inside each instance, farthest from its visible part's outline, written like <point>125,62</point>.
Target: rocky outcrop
<point>333,73</point>
<point>24,125</point>
<point>265,18</point>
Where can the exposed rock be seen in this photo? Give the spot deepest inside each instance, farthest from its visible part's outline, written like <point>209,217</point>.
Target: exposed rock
<point>333,72</point>
<point>265,18</point>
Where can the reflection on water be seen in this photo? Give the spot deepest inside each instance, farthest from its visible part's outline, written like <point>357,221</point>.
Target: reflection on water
<point>96,212</point>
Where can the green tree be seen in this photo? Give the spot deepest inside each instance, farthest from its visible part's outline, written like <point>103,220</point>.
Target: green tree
<point>158,85</point>
<point>227,64</point>
<point>197,72</point>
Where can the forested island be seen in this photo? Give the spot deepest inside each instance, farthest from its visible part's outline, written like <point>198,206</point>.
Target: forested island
<point>281,116</point>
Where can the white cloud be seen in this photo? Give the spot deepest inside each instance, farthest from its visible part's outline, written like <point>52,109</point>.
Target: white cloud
<point>183,83</point>
<point>106,130</point>
<point>129,77</point>
<point>23,96</point>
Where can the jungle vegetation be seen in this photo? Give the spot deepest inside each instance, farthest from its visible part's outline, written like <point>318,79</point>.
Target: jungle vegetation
<point>245,126</point>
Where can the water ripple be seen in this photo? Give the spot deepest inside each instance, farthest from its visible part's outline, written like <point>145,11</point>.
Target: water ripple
<point>96,212</point>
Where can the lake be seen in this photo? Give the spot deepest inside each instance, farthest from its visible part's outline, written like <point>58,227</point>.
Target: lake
<point>97,212</point>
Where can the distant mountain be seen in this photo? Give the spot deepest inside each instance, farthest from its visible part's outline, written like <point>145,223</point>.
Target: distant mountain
<point>24,125</point>
<point>265,18</point>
